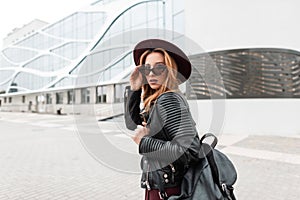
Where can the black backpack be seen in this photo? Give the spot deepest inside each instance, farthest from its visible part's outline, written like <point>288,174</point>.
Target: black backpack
<point>211,178</point>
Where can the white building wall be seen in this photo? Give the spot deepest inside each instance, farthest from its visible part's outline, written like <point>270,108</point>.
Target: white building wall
<point>232,24</point>
<point>93,95</point>
<point>247,116</point>
<point>110,94</point>
<point>77,96</point>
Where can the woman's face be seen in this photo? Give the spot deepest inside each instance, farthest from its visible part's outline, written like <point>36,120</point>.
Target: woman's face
<point>156,60</point>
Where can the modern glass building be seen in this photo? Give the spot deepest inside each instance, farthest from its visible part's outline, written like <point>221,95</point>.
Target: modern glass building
<point>85,58</point>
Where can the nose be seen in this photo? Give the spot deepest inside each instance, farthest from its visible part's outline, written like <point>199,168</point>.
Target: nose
<point>151,73</point>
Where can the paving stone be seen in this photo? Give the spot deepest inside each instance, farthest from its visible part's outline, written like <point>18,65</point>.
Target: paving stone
<point>42,157</point>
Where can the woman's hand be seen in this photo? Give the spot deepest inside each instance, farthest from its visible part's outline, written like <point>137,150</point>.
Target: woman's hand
<point>136,79</point>
<point>140,132</point>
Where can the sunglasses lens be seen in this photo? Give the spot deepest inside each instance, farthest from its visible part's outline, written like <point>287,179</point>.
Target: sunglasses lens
<point>157,70</point>
<point>147,71</point>
<point>142,70</point>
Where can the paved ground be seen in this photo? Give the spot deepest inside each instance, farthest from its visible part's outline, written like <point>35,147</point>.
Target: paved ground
<point>44,157</point>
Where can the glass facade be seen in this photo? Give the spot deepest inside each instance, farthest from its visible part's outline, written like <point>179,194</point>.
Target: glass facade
<point>5,63</point>
<point>28,81</point>
<point>59,97</point>
<point>101,94</point>
<point>71,97</point>
<point>18,55</point>
<point>178,19</point>
<point>112,54</point>
<point>47,63</point>
<point>86,47</point>
<point>85,57</point>
<point>102,2</point>
<point>78,26</point>
<point>39,41</point>
<point>5,74</point>
<point>70,50</point>
<point>85,95</point>
<point>48,99</point>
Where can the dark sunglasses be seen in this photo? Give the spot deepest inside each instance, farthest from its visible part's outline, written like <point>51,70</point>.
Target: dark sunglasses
<point>157,69</point>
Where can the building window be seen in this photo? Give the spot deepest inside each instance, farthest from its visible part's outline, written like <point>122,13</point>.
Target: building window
<point>119,92</point>
<point>40,99</point>
<point>101,94</point>
<point>59,98</point>
<point>48,99</point>
<point>23,99</point>
<point>5,100</point>
<point>9,99</point>
<point>85,95</point>
<point>71,97</point>
<point>13,89</point>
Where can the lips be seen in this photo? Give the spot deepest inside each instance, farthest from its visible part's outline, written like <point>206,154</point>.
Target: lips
<point>153,81</point>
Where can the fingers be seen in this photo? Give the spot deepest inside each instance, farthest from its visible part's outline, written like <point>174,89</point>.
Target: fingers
<point>140,132</point>
<point>136,139</point>
<point>136,79</point>
<point>144,124</point>
<point>135,72</point>
<point>137,68</point>
<point>139,127</point>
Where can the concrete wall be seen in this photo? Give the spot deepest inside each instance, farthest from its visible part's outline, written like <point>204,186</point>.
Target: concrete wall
<point>39,103</point>
<point>228,116</point>
<point>247,116</point>
<point>231,24</point>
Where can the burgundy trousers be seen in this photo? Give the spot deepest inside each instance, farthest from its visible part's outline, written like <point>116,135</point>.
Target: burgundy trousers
<point>153,194</point>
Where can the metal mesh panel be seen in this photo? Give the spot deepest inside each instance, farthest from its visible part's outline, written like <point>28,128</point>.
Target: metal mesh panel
<point>245,73</point>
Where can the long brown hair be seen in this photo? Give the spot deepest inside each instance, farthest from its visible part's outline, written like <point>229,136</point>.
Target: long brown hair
<point>170,83</point>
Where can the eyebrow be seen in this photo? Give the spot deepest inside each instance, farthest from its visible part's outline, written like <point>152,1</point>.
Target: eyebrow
<point>156,63</point>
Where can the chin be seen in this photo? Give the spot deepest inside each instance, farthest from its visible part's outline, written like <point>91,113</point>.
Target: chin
<point>155,87</point>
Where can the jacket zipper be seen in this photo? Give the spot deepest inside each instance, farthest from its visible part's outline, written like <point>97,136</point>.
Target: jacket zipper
<point>173,173</point>
<point>147,178</point>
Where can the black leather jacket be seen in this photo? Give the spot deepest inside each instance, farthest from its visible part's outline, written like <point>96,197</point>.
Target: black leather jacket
<point>172,144</point>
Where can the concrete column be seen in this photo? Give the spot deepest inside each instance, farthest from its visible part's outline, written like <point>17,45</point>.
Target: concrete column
<point>92,95</point>
<point>110,93</point>
<point>77,96</point>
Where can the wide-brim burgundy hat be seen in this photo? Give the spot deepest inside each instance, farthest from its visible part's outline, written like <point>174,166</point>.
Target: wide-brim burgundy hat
<point>183,63</point>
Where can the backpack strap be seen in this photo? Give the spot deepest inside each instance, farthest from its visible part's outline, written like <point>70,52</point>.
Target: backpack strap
<point>214,142</point>
<point>209,154</point>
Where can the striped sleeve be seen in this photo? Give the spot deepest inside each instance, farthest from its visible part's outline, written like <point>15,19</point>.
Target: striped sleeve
<point>172,118</point>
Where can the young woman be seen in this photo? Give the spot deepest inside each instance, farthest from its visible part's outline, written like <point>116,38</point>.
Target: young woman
<point>164,130</point>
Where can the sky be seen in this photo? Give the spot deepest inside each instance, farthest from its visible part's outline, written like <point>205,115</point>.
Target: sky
<point>16,13</point>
